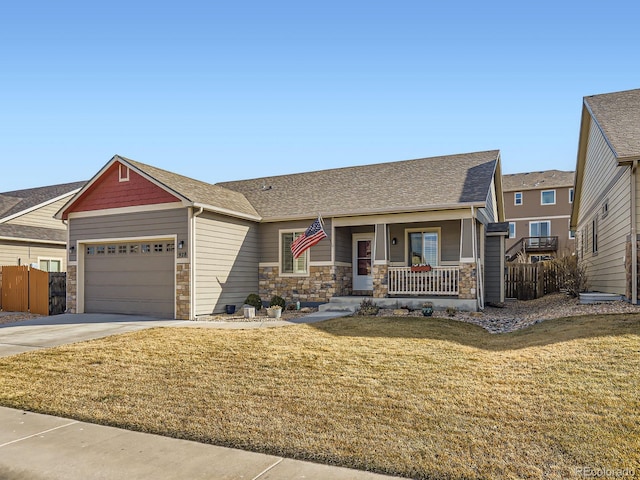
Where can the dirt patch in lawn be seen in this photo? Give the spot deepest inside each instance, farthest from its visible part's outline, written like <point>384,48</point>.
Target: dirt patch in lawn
<point>423,398</point>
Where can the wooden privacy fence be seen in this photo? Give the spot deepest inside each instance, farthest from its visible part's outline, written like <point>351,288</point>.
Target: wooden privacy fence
<point>527,281</point>
<point>26,289</point>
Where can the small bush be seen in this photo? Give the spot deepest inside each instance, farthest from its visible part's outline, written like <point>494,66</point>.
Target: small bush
<point>451,311</point>
<point>571,275</point>
<point>254,300</point>
<point>367,307</point>
<point>277,301</point>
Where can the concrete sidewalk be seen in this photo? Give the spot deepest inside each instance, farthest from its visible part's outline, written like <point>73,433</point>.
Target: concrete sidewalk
<point>38,447</point>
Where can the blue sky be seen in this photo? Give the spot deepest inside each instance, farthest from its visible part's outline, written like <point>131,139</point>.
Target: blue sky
<point>232,90</point>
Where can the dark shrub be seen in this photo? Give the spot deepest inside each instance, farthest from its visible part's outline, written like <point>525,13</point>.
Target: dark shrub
<point>254,300</point>
<point>277,301</point>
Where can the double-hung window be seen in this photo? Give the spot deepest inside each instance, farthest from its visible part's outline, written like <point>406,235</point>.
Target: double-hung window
<point>517,198</point>
<point>512,229</point>
<point>424,247</point>
<point>288,264</point>
<point>548,197</point>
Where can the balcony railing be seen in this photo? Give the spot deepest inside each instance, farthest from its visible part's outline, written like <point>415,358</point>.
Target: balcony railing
<point>439,281</point>
<point>532,244</point>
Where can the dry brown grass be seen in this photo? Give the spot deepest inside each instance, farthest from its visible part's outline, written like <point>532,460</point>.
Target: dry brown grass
<point>415,397</point>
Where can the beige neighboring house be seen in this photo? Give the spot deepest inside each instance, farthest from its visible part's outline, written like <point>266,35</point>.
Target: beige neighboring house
<point>537,206</point>
<point>605,211</point>
<point>29,233</point>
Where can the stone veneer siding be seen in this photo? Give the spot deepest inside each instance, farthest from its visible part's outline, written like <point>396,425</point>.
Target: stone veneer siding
<point>319,286</point>
<point>467,285</point>
<point>72,288</point>
<point>183,288</point>
<point>380,274</point>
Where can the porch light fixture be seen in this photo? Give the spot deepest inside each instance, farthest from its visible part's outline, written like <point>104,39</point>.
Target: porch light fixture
<point>394,241</point>
<point>181,244</point>
<point>72,249</point>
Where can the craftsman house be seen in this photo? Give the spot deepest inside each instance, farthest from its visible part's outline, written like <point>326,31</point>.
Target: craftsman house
<point>145,240</point>
<point>605,210</point>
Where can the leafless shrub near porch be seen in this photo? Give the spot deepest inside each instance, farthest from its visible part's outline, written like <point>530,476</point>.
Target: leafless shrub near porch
<point>571,274</point>
<point>367,307</point>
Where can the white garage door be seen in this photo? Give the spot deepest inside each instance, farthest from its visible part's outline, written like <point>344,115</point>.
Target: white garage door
<point>133,278</point>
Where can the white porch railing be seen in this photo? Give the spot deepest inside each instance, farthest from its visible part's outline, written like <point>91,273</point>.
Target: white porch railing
<point>439,281</point>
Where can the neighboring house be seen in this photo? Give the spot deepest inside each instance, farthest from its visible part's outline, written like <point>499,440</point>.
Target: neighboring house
<point>605,210</point>
<point>29,233</point>
<point>144,240</point>
<point>537,206</point>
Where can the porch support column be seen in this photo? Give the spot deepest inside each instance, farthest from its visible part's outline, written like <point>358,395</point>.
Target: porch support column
<point>380,267</point>
<point>468,282</point>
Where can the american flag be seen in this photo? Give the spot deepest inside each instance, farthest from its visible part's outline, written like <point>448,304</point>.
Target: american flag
<point>308,239</point>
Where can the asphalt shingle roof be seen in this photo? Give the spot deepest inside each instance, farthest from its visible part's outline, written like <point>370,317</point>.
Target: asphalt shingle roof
<point>537,180</point>
<point>20,232</point>
<point>421,184</point>
<point>618,115</point>
<point>17,201</point>
<point>197,191</point>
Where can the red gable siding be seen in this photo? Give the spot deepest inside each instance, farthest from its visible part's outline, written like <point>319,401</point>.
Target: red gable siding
<point>109,192</point>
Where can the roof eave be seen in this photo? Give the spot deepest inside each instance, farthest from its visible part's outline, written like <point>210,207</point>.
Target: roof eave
<point>581,157</point>
<point>32,240</point>
<point>381,211</point>
<point>227,212</point>
<point>40,205</point>
<point>117,158</point>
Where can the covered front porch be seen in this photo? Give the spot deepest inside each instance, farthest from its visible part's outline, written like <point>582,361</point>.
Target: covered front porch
<point>414,258</point>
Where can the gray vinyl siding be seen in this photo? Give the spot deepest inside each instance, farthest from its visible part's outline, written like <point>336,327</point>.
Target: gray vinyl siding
<point>604,181</point>
<point>226,266</point>
<point>127,225</point>
<point>449,242</point>
<point>343,245</point>
<point>42,217</point>
<point>270,240</point>
<point>23,253</point>
<point>487,214</point>
<point>493,269</point>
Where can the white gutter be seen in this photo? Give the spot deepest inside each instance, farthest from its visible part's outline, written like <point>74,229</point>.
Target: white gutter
<point>634,236</point>
<point>227,212</point>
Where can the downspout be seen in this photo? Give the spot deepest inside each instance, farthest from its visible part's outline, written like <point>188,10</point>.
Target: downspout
<point>474,243</point>
<point>634,236</point>
<point>192,270</point>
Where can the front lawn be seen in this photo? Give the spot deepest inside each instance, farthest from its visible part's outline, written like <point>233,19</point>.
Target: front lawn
<point>424,398</point>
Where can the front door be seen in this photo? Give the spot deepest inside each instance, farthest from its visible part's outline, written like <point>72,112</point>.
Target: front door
<point>362,261</point>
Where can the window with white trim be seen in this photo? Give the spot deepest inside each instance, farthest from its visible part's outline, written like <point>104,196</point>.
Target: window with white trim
<point>594,236</point>
<point>517,198</point>
<point>288,264</point>
<point>512,229</point>
<point>548,197</point>
<point>571,195</point>
<point>50,264</point>
<point>424,247</point>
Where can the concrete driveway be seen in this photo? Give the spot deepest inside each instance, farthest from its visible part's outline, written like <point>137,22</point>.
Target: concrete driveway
<point>45,332</point>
